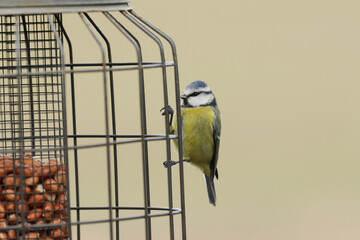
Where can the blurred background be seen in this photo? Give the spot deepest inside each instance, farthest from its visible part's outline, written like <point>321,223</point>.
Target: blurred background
<point>286,77</point>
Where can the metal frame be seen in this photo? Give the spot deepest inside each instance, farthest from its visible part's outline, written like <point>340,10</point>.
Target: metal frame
<point>15,7</point>
<point>111,136</point>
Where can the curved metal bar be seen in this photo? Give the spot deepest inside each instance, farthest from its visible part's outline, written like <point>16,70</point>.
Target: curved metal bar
<point>89,64</point>
<point>113,118</point>
<point>178,115</point>
<point>123,68</point>
<point>146,139</point>
<point>74,121</point>
<point>144,145</point>
<point>99,136</point>
<point>20,116</point>
<point>166,103</point>
<point>107,131</point>
<point>64,117</point>
<point>174,211</point>
<point>28,58</point>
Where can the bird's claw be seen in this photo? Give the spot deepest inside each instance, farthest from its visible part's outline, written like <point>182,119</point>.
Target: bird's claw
<point>168,108</point>
<point>170,163</point>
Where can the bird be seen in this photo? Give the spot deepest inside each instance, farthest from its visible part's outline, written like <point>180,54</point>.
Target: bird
<point>201,128</point>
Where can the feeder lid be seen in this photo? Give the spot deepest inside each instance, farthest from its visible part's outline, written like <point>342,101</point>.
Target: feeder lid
<point>15,7</point>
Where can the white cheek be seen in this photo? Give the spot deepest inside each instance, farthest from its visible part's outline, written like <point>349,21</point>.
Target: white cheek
<point>201,99</point>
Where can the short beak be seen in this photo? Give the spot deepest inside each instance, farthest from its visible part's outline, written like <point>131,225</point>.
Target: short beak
<point>183,96</point>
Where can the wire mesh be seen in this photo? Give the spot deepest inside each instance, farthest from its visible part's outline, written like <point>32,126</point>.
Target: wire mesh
<point>34,183</point>
<point>37,63</point>
<point>32,105</point>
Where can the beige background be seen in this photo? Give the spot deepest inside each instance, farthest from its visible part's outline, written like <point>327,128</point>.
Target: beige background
<point>286,76</point>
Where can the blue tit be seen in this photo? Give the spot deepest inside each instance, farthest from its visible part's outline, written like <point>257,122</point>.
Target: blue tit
<point>201,127</point>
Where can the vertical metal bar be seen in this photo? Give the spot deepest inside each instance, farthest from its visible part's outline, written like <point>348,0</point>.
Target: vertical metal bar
<point>28,58</point>
<point>166,103</point>
<point>106,120</point>
<point>178,115</point>
<point>37,78</point>
<point>12,88</point>
<point>113,120</point>
<point>146,179</point>
<point>2,107</point>
<point>44,46</point>
<point>73,109</point>
<point>64,118</point>
<point>20,110</point>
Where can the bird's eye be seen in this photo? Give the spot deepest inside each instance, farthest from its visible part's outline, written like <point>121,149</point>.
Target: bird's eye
<point>194,94</point>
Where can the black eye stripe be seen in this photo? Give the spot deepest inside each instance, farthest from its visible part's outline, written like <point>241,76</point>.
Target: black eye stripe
<point>197,93</point>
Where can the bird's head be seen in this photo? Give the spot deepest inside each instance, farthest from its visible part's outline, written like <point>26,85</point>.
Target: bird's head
<point>196,94</point>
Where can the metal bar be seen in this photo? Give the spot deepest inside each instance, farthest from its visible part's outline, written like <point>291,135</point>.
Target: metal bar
<point>153,65</point>
<point>74,121</point>
<point>113,120</point>
<point>162,136</point>
<point>28,57</point>
<point>166,103</point>
<point>174,210</point>
<point>146,179</point>
<point>60,8</point>
<point>178,115</point>
<point>87,24</point>
<point>21,124</point>
<point>64,117</point>
<point>93,145</point>
<point>111,64</point>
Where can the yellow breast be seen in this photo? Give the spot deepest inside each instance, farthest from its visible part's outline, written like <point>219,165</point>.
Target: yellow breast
<point>198,143</point>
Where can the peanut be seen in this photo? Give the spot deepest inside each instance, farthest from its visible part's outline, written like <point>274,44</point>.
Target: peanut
<point>57,233</point>
<point>62,199</point>
<point>51,185</point>
<point>10,195</point>
<point>48,210</point>
<point>32,235</point>
<point>35,214</point>
<point>32,163</point>
<point>11,180</point>
<point>3,223</point>
<point>39,189</point>
<point>3,235</point>
<point>36,200</point>
<point>60,177</point>
<point>50,197</point>
<point>25,189</point>
<point>32,180</point>
<point>2,210</point>
<point>13,219</point>
<point>28,171</point>
<point>12,234</point>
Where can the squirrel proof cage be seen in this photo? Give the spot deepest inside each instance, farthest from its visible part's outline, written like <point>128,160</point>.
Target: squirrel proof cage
<point>76,149</point>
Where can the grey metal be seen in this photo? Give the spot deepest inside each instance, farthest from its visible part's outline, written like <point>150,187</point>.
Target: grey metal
<point>64,119</point>
<point>26,100</point>
<point>15,7</point>
<point>178,114</point>
<point>144,145</point>
<point>166,103</point>
<point>30,83</point>
<point>20,116</point>
<point>107,131</point>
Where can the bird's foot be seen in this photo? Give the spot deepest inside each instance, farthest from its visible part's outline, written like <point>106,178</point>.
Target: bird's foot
<point>167,108</point>
<point>170,163</point>
<point>170,111</point>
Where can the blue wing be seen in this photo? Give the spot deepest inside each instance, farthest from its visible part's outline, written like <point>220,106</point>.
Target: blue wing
<point>216,138</point>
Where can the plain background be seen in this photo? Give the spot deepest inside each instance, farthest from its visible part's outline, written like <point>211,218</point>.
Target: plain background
<point>286,77</point>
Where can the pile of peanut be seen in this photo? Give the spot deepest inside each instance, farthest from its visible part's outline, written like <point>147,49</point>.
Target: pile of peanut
<point>33,199</point>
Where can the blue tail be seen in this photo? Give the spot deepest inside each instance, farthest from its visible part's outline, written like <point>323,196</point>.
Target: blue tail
<point>211,190</point>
